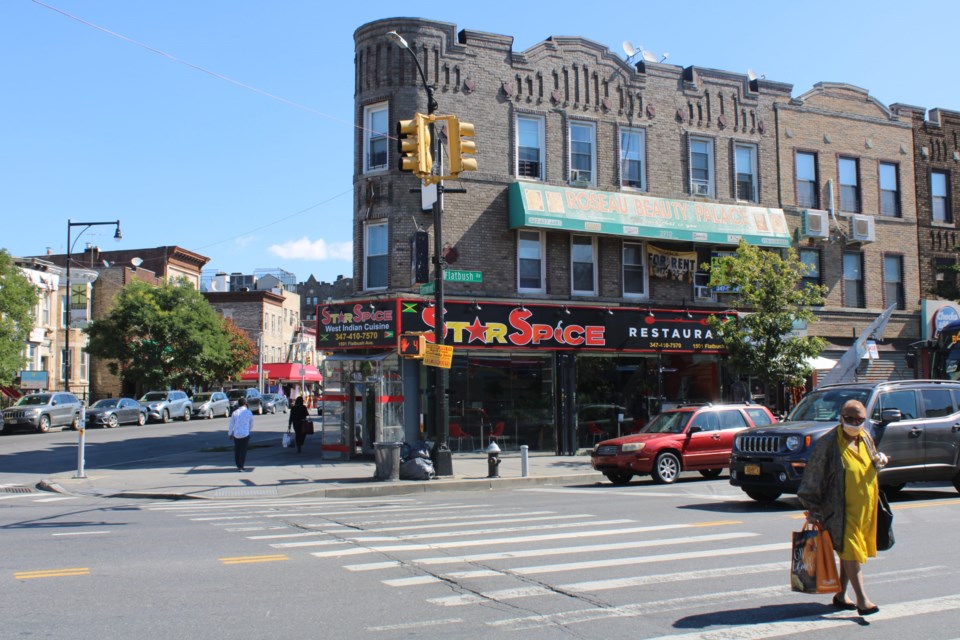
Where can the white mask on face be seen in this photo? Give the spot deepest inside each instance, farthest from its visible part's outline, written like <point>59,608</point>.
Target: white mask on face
<point>851,430</point>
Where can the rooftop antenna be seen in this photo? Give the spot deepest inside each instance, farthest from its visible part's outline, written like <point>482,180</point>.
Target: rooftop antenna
<point>629,49</point>
<point>649,56</point>
<point>665,56</point>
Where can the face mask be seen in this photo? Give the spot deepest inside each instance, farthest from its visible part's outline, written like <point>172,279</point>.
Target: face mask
<point>852,430</point>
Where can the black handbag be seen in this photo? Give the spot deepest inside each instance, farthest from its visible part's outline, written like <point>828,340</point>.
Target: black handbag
<point>885,539</point>
<point>307,426</point>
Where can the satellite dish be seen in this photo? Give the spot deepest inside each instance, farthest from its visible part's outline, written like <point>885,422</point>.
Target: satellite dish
<point>649,56</point>
<point>106,264</point>
<point>136,261</point>
<point>629,49</point>
<point>751,75</point>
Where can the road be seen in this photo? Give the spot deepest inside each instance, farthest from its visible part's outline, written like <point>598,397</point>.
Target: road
<point>691,560</point>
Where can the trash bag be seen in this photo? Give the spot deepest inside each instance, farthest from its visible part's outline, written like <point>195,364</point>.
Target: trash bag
<point>416,468</point>
<point>419,449</point>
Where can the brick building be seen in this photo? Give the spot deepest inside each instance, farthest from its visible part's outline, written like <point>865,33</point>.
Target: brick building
<point>847,187</point>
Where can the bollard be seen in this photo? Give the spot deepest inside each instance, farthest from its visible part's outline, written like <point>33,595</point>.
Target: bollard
<point>493,460</point>
<point>524,461</point>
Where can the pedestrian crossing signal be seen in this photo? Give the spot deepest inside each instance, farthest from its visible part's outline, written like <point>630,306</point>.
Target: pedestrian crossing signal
<point>411,345</point>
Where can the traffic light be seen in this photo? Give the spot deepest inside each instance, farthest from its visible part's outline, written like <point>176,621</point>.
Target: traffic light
<point>461,149</point>
<point>413,143</point>
<point>411,345</point>
<point>309,359</point>
<point>420,244</point>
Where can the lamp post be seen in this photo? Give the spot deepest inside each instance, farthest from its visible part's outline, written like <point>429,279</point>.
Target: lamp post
<point>67,355</point>
<point>442,458</point>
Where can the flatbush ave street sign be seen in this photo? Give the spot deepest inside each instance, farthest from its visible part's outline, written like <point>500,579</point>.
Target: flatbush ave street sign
<point>452,275</point>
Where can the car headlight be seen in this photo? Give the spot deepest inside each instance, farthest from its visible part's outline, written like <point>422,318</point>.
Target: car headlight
<point>793,443</point>
<point>632,446</point>
<point>736,442</point>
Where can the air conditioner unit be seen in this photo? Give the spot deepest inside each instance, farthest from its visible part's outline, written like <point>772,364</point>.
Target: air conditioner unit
<point>815,224</point>
<point>580,176</point>
<point>862,229</point>
<point>701,293</point>
<point>701,188</point>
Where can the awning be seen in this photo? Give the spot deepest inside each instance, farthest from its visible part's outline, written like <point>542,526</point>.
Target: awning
<point>628,215</point>
<point>285,371</point>
<point>820,363</point>
<point>10,392</point>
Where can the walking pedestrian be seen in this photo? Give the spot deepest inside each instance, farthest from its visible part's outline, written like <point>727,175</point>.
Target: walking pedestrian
<point>241,423</point>
<point>298,414</point>
<point>840,492</point>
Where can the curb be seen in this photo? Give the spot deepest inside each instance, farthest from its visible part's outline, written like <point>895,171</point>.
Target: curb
<point>364,490</point>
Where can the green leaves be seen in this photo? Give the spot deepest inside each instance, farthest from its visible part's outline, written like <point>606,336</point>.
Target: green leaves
<point>18,297</point>
<point>773,299</point>
<point>167,337</point>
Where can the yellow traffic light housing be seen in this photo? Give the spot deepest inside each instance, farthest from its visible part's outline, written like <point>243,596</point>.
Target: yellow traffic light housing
<point>413,143</point>
<point>411,345</point>
<point>461,149</point>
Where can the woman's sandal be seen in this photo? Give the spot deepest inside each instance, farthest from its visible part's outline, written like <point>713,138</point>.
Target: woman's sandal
<point>843,604</point>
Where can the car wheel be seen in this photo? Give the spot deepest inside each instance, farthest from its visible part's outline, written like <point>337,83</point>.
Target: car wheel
<point>711,473</point>
<point>165,416</point>
<point>763,495</point>
<point>187,413</point>
<point>112,421</point>
<point>619,477</point>
<point>75,423</point>
<point>209,414</point>
<point>141,419</point>
<point>44,425</point>
<point>666,468</point>
<point>260,410</point>
<point>273,409</point>
<point>226,412</point>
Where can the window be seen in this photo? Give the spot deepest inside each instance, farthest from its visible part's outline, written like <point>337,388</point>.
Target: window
<point>893,281</point>
<point>375,258</point>
<point>84,365</point>
<point>583,273</point>
<point>945,275</point>
<point>701,167</point>
<point>938,197</point>
<point>807,188</point>
<point>811,259</point>
<point>849,185</point>
<point>745,156</point>
<point>853,280</point>
<point>530,147</point>
<point>889,190</point>
<point>707,421</point>
<point>530,261</point>
<point>633,153</point>
<point>375,138</point>
<point>582,158</point>
<point>937,403</point>
<point>905,400</point>
<point>634,270</point>
<point>732,420</point>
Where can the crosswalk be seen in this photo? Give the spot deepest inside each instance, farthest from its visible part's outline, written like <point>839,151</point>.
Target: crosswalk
<point>570,569</point>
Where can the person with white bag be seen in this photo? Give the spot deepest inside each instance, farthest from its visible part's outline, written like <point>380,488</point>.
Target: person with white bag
<point>298,415</point>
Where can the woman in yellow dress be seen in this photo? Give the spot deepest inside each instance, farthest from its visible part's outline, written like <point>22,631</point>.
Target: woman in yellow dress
<point>840,491</point>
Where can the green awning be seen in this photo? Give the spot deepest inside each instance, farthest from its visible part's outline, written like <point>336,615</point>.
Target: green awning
<point>627,215</point>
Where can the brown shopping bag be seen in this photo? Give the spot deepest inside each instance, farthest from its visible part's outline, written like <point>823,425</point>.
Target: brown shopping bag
<point>813,568</point>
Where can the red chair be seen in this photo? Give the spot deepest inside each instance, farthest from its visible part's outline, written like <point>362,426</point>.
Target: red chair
<point>497,432</point>
<point>597,433</point>
<point>459,434</point>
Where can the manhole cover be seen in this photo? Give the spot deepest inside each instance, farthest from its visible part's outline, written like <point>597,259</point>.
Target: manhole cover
<point>245,492</point>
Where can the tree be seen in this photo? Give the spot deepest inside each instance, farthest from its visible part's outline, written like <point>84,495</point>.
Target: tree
<point>242,351</point>
<point>164,337</point>
<point>18,297</point>
<point>770,297</point>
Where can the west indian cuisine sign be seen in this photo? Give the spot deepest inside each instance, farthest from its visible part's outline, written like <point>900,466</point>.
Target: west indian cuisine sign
<point>357,325</point>
<point>540,206</point>
<point>559,327</point>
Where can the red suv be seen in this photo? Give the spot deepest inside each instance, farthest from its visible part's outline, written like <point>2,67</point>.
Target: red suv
<point>694,438</point>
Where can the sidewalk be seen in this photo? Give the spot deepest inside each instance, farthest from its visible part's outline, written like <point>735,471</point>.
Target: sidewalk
<point>274,471</point>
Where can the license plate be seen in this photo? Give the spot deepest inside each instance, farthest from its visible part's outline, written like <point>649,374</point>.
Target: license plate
<point>751,469</point>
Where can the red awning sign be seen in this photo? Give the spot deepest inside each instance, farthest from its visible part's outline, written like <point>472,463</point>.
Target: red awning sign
<point>285,371</point>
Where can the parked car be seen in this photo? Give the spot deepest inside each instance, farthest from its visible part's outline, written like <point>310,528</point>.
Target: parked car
<point>274,402</point>
<point>111,412</point>
<point>254,399</point>
<point>694,438</point>
<point>211,403</point>
<point>164,406</point>
<point>41,411</point>
<point>915,422</point>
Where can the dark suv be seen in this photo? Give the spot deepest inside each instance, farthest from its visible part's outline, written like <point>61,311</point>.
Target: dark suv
<point>254,399</point>
<point>915,422</point>
<point>41,411</point>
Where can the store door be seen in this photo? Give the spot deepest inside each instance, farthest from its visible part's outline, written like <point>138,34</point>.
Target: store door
<point>566,409</point>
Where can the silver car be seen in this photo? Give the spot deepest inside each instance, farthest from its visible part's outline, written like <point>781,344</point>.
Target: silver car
<point>211,403</point>
<point>111,412</point>
<point>163,406</point>
<point>41,411</point>
<point>275,402</point>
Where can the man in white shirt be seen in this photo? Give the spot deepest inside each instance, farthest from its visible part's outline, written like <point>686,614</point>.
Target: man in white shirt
<point>241,423</point>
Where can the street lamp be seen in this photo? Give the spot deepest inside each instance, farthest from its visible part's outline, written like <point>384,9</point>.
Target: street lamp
<point>67,356</point>
<point>442,458</point>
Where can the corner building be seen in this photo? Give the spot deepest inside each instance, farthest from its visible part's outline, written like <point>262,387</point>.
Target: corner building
<point>574,298</point>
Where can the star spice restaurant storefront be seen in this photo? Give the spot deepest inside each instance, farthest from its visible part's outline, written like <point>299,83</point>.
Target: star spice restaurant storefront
<point>553,377</point>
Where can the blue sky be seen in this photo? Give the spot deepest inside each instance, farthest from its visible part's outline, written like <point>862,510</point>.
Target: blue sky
<point>94,126</point>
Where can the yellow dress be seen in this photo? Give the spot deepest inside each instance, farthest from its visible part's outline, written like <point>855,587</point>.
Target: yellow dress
<point>860,503</point>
